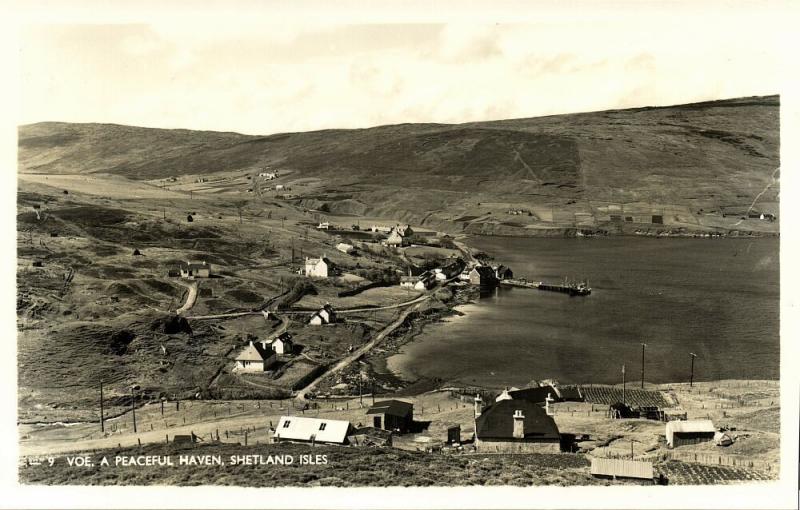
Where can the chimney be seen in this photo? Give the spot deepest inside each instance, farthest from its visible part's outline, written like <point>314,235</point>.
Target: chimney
<point>478,405</point>
<point>519,424</point>
<point>251,343</point>
<point>264,344</point>
<point>547,402</point>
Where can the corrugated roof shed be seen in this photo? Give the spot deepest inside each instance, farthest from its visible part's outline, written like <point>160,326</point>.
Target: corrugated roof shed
<point>392,407</point>
<point>622,468</point>
<point>298,428</point>
<point>691,426</point>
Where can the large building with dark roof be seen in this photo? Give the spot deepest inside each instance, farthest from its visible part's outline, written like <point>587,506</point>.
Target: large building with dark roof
<point>515,426</point>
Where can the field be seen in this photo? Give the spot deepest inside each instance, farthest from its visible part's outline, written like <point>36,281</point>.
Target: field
<point>633,397</point>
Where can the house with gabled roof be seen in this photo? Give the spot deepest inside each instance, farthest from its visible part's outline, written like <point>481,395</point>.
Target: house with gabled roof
<point>282,344</point>
<point>255,357</point>
<point>319,267</point>
<point>395,239</point>
<point>482,275</point>
<point>325,315</point>
<point>312,430</point>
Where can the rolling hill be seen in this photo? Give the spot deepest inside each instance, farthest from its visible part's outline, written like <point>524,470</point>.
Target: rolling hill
<point>697,166</point>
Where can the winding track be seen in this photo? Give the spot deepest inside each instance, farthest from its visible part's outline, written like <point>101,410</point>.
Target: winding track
<point>301,394</point>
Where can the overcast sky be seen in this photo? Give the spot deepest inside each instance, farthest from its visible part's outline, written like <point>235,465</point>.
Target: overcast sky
<point>259,77</point>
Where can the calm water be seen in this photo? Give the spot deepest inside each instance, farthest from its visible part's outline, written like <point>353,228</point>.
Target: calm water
<point>718,298</point>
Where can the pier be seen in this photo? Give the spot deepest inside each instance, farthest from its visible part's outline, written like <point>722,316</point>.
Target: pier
<point>579,289</point>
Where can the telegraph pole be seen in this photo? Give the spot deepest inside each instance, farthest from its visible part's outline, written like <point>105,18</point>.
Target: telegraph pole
<point>102,414</point>
<point>691,378</point>
<point>643,346</point>
<point>133,407</point>
<point>623,384</point>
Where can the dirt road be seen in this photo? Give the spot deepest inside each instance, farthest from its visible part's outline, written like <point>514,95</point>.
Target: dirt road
<point>190,298</point>
<point>301,394</point>
<point>296,312</point>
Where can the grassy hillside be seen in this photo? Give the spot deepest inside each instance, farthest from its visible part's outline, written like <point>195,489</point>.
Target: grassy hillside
<point>683,161</point>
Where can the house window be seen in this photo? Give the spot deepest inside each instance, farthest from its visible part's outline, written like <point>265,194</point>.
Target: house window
<point>286,424</point>
<point>322,426</point>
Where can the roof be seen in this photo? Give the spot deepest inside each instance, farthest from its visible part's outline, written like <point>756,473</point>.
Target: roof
<point>254,352</point>
<point>497,421</point>
<point>691,426</point>
<point>285,336</point>
<point>300,428</point>
<point>395,237</point>
<point>536,395</point>
<point>484,271</point>
<point>392,407</point>
<point>622,468</point>
<point>194,265</point>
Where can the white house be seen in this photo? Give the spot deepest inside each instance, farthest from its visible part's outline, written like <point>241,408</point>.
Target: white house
<point>318,267</point>
<point>425,281</point>
<point>282,344</point>
<point>325,315</point>
<point>395,239</point>
<point>439,274</point>
<point>279,187</point>
<point>256,357</point>
<point>324,226</point>
<point>312,430</point>
<point>195,269</point>
<point>269,175</point>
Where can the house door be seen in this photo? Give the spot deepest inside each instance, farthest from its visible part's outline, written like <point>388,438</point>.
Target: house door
<point>376,422</point>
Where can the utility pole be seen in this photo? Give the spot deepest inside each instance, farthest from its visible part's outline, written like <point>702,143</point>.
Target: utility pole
<point>102,414</point>
<point>623,384</point>
<point>691,378</point>
<point>360,394</point>
<point>373,392</point>
<point>133,408</point>
<point>643,346</point>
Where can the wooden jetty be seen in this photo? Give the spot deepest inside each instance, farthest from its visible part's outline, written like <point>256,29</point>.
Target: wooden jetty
<point>580,289</point>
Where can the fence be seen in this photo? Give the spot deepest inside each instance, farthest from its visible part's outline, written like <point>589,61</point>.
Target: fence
<point>716,459</point>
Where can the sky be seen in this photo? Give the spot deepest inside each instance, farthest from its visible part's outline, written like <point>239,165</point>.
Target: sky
<point>257,76</point>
